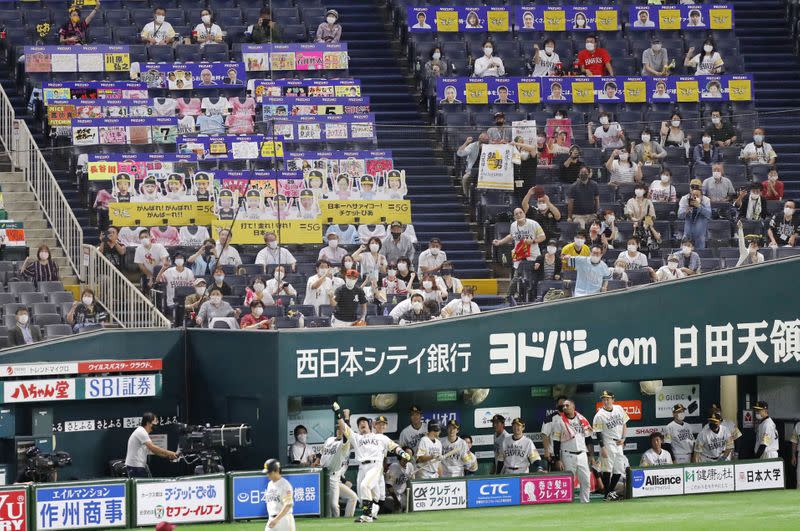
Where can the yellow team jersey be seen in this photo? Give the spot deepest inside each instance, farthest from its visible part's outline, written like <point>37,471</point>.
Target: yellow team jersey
<point>569,251</point>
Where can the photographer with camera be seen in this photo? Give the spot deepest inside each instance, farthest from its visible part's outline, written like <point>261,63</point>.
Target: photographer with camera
<point>204,260</point>
<point>138,445</point>
<point>265,30</point>
<point>111,247</point>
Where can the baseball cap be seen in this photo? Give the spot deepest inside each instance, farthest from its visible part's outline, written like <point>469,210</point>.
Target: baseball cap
<point>498,418</point>
<point>677,408</point>
<point>606,394</point>
<point>381,418</point>
<point>434,426</point>
<point>199,282</point>
<point>499,113</point>
<point>332,12</point>
<point>655,40</point>
<point>761,404</point>
<point>414,409</point>
<point>518,421</point>
<point>351,273</point>
<point>165,526</point>
<point>715,418</point>
<point>453,422</point>
<point>695,182</point>
<point>396,223</point>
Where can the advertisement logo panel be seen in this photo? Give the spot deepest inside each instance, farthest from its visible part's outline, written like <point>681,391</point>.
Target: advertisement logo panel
<point>250,495</point>
<point>548,489</point>
<point>493,492</point>
<point>438,495</point>
<point>760,475</point>
<point>714,478</point>
<point>79,506</point>
<point>14,510</point>
<point>656,482</point>
<point>180,502</point>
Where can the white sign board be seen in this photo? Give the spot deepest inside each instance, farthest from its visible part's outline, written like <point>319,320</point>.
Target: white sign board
<point>438,495</point>
<point>656,482</point>
<point>760,475</point>
<point>180,502</point>
<point>483,415</point>
<point>670,395</point>
<point>713,478</point>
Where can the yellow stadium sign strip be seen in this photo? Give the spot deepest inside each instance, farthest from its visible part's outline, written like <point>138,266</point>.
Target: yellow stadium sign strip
<point>365,211</point>
<point>162,213</point>
<point>247,232</point>
<point>482,286</point>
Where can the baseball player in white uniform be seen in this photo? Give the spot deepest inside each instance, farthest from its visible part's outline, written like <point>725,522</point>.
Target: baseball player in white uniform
<point>547,431</point>
<point>610,425</point>
<point>678,436</point>
<point>519,452</point>
<point>415,431</point>
<point>370,449</point>
<point>736,434</point>
<point>280,499</point>
<point>500,434</point>
<point>470,461</point>
<point>397,476</point>
<point>795,438</point>
<point>714,442</point>
<point>456,448</point>
<point>767,438</point>
<point>335,458</point>
<point>429,453</point>
<point>571,435</point>
<point>656,455</point>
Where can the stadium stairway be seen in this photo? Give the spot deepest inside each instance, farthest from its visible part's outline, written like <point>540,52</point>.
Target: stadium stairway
<point>437,208</point>
<point>766,45</point>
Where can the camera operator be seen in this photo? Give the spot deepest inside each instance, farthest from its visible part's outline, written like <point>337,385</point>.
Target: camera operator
<point>111,247</point>
<point>265,30</point>
<point>138,444</point>
<point>204,260</point>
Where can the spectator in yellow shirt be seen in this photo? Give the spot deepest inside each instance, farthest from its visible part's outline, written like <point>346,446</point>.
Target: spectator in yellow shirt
<point>577,248</point>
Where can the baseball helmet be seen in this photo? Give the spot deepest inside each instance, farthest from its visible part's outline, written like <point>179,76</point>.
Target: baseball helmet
<point>272,465</point>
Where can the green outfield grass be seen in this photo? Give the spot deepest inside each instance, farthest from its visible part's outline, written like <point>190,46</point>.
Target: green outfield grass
<point>741,511</point>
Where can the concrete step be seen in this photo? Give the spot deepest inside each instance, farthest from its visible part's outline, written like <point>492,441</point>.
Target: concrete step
<point>14,186</point>
<point>35,224</point>
<point>24,215</point>
<point>14,198</point>
<point>12,177</point>
<point>29,204</point>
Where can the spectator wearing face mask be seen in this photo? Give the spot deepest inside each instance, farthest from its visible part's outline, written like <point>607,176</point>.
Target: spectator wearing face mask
<point>207,31</point>
<point>159,31</point>
<point>772,188</point>
<point>41,269</point>
<point>707,63</point>
<point>546,62</point>
<point>618,272</point>
<point>639,206</point>
<point>655,60</point>
<point>74,30</point>
<point>596,236</point>
<point>373,263</point>
<point>256,291</point>
<point>548,265</point>
<point>23,332</point>
<point>705,153</point>
<point>86,312</point>
<point>578,247</point>
<point>568,172</point>
<point>695,210</point>
<point>464,305</point>
<point>255,320</point>
<point>527,231</point>
<point>300,453</point>
<point>609,134</point>
<point>672,135</point>
<point>688,260</point>
<point>632,258</point>
<point>721,131</point>
<point>330,31</point>
<point>500,133</point>
<point>488,65</point>
<point>583,199</point>
<point>671,271</point>
<point>392,286</point>
<point>649,151</point>
<point>752,206</point>
<point>406,273</point>
<point>227,254</point>
<point>471,151</point>
<point>718,188</point>
<point>784,227</point>
<point>277,286</point>
<point>417,313</point>
<point>349,301</point>
<point>758,151</point>
<point>593,60</point>
<point>431,259</point>
<point>608,225</point>
<point>214,308</point>
<point>431,290</point>
<point>273,254</point>
<point>192,303</point>
<point>648,237</point>
<point>397,244</point>
<point>151,259</point>
<point>332,253</point>
<point>592,273</point>
<point>621,169</point>
<point>446,282</point>
<point>322,285</point>
<point>204,260</point>
<point>175,276</point>
<point>545,213</point>
<point>435,67</point>
<point>661,189</point>
<point>748,247</point>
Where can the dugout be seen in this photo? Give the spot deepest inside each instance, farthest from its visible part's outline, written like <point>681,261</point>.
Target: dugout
<point>712,332</point>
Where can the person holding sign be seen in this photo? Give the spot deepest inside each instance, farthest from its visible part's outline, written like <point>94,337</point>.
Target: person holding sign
<point>74,30</point>
<point>488,65</point>
<point>594,61</point>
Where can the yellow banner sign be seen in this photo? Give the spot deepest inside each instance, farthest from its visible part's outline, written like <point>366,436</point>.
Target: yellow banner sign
<point>102,170</point>
<point>555,20</point>
<point>497,20</point>
<point>740,90</point>
<point>118,62</point>
<point>477,93</point>
<point>635,91</point>
<point>364,211</point>
<point>669,19</point>
<point>151,214</point>
<point>528,92</point>
<point>289,231</point>
<point>583,91</point>
<point>607,20</point>
<point>482,286</point>
<point>688,91</point>
<point>447,21</point>
<point>721,18</point>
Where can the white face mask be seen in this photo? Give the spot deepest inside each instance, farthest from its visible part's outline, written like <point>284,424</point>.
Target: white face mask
<point>717,175</point>
<point>672,266</point>
<point>200,291</point>
<point>619,270</point>
<point>87,300</point>
<point>258,287</point>
<point>216,299</point>
<point>760,415</point>
<point>758,138</point>
<point>350,283</point>
<point>302,437</point>
<point>549,50</point>
<point>437,56</point>
<point>23,319</point>
<point>391,272</point>
<point>278,275</point>
<point>541,206</point>
<point>257,311</point>
<point>645,138</point>
<point>623,157</point>
<point>707,48</point>
<point>772,178</point>
<point>632,248</point>
<point>590,46</point>
<point>427,284</point>
<point>675,123</point>
<point>333,244</point>
<point>145,242</point>
<point>322,271</point>
<point>604,120</point>
<point>755,196</point>
<point>788,211</point>
<point>272,244</point>
<point>434,251</point>
<point>179,262</point>
<point>716,120</point>
<point>466,299</point>
<point>551,249</point>
<point>160,19</point>
<point>639,192</point>
<point>417,306</point>
<point>656,47</point>
<point>44,255</point>
<point>348,264</point>
<point>594,259</point>
<point>610,219</point>
<point>579,242</point>
<point>488,51</point>
<point>687,250</point>
<point>680,416</point>
<point>374,247</point>
<point>206,19</point>
<point>706,140</point>
<point>665,179</point>
<point>331,20</point>
<point>402,267</point>
<point>219,278</point>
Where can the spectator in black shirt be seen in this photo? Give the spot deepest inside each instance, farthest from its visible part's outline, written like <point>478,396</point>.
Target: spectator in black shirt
<point>219,282</point>
<point>265,30</point>
<point>571,166</point>
<point>721,131</point>
<point>111,247</point>
<point>349,301</point>
<point>544,212</point>
<point>418,313</point>
<point>583,198</point>
<point>405,272</point>
<point>87,312</point>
